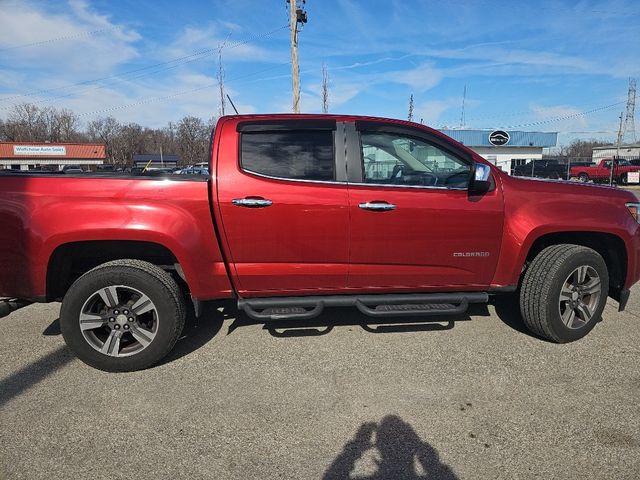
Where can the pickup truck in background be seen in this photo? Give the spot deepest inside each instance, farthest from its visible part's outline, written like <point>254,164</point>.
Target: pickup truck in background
<point>542,169</point>
<point>601,172</point>
<point>304,212</point>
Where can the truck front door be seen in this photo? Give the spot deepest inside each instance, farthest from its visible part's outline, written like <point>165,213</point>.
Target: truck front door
<point>414,225</point>
<point>284,207</point>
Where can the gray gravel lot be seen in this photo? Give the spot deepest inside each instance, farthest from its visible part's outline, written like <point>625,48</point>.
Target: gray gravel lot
<point>471,398</point>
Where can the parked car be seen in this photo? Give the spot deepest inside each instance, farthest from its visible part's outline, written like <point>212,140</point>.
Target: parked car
<point>71,169</point>
<point>293,223</point>
<point>602,171</point>
<point>542,169</point>
<point>193,170</point>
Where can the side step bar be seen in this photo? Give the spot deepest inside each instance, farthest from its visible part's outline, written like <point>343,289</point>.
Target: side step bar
<point>394,305</point>
<point>8,305</point>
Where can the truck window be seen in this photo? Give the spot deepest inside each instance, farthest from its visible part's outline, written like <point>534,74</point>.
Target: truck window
<point>299,155</point>
<point>392,159</point>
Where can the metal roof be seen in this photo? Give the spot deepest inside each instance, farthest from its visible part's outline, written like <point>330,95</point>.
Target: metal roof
<point>610,147</point>
<point>480,138</point>
<point>154,157</point>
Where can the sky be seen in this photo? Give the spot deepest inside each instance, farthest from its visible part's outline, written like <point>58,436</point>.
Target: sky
<point>539,66</point>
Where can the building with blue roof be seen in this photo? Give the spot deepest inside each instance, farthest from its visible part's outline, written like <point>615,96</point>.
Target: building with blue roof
<point>505,148</point>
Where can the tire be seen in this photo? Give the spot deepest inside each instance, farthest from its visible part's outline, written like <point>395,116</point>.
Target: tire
<point>122,316</point>
<point>546,296</point>
<point>583,177</point>
<point>623,179</point>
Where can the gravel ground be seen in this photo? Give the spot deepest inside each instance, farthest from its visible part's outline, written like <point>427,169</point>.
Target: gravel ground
<point>342,398</point>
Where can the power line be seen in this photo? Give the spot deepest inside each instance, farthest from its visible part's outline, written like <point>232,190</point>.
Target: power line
<point>57,39</point>
<point>566,117</point>
<point>165,66</point>
<point>175,94</point>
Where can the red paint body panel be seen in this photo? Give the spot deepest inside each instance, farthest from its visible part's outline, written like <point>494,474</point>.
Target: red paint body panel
<point>39,214</point>
<point>314,239</point>
<point>420,244</point>
<point>534,208</point>
<point>299,243</point>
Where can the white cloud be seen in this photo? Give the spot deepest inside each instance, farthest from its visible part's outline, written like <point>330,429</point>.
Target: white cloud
<point>568,117</point>
<point>96,44</point>
<point>193,39</point>
<point>421,78</point>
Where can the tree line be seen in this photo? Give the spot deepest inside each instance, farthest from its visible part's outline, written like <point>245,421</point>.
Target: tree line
<point>188,138</point>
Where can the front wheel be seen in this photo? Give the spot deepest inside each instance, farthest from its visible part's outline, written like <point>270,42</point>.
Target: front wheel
<point>122,316</point>
<point>564,292</point>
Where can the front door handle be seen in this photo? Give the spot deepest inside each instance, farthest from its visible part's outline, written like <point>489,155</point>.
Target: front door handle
<point>377,206</point>
<point>252,202</point>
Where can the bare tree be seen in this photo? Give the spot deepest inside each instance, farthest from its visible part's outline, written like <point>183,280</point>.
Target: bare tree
<point>325,89</point>
<point>189,137</point>
<point>582,149</point>
<point>105,130</point>
<point>193,140</point>
<point>27,123</point>
<point>62,125</point>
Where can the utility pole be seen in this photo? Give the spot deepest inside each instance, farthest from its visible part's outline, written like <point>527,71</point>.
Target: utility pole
<point>220,76</point>
<point>464,97</point>
<point>410,115</point>
<point>629,131</point>
<point>296,16</point>
<point>614,160</point>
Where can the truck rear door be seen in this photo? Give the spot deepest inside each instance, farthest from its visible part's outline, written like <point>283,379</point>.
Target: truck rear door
<point>283,206</point>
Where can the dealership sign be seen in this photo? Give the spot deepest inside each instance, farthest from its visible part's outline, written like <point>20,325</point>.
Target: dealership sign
<point>39,150</point>
<point>498,138</point>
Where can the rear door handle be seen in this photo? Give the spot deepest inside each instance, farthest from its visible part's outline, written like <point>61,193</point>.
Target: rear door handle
<point>252,202</point>
<point>377,206</point>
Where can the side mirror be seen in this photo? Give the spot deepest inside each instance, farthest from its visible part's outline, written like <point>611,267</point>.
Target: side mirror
<point>480,178</point>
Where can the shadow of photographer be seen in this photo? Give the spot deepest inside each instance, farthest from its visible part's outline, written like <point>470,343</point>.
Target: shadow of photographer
<point>388,449</point>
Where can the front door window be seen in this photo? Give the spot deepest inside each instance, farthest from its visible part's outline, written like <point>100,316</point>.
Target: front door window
<point>392,159</point>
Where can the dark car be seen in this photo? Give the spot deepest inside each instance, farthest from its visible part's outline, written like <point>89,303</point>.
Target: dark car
<point>541,169</point>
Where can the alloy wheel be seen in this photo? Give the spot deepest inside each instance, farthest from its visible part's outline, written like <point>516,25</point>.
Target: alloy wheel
<point>119,321</point>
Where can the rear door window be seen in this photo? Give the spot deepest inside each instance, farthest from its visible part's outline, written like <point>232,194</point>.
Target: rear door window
<point>297,155</point>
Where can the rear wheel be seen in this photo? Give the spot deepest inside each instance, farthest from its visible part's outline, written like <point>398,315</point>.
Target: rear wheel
<point>122,316</point>
<point>583,177</point>
<point>623,179</point>
<point>564,292</point>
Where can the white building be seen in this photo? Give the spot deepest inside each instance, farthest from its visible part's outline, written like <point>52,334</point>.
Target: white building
<point>505,148</point>
<point>629,152</point>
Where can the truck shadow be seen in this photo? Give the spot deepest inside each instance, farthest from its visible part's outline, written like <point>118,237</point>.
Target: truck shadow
<point>336,317</point>
<point>199,331</point>
<point>388,449</point>
<point>508,311</point>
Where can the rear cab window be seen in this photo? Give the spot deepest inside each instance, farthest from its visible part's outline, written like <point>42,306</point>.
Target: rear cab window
<point>289,154</point>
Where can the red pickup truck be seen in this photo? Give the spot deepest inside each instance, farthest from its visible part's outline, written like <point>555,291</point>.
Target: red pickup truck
<point>303,212</point>
<point>602,171</point>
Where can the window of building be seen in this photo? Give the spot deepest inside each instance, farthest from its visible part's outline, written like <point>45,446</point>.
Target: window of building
<point>300,155</point>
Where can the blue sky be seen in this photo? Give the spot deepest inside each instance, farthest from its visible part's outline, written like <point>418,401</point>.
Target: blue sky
<point>526,65</point>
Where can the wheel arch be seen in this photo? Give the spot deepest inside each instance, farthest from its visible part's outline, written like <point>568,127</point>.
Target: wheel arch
<point>611,247</point>
<point>71,260</point>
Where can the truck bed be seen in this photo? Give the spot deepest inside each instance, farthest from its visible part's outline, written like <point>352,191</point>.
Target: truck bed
<point>42,213</point>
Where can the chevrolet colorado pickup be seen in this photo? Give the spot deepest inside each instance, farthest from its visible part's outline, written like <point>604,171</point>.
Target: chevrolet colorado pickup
<point>303,212</point>
<point>602,171</point>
